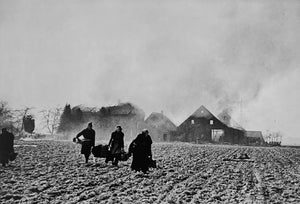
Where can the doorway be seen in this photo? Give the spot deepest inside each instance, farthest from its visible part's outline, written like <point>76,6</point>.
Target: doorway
<point>216,134</point>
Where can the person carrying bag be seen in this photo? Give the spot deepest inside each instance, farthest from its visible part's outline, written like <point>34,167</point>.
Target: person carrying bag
<point>116,146</point>
<point>88,142</point>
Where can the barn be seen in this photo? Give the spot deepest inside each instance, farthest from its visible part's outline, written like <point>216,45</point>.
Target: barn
<point>202,127</point>
<point>162,124</point>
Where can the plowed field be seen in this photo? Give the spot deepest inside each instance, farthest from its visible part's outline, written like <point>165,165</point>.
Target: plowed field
<point>53,172</point>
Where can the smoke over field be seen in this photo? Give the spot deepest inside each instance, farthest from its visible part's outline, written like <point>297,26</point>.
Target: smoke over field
<point>173,56</point>
<point>150,64</point>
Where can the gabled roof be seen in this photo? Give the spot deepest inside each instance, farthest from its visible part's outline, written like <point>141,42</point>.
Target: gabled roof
<point>202,112</point>
<point>161,121</point>
<point>254,134</point>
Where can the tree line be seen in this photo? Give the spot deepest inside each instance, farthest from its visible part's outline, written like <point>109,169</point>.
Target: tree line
<point>16,120</point>
<point>22,121</point>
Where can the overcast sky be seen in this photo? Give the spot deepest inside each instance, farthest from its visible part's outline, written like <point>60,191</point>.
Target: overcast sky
<point>161,55</point>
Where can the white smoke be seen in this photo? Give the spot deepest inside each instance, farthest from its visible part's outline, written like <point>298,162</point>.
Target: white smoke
<point>161,55</point>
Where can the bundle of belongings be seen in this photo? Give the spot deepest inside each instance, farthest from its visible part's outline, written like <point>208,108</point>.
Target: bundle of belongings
<point>124,156</point>
<point>241,158</point>
<point>80,141</point>
<point>102,151</point>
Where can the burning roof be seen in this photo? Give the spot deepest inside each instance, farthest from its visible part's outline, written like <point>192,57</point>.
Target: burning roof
<point>226,118</point>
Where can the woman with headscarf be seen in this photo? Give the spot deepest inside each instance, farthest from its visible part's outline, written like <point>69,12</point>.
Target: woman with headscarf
<point>141,150</point>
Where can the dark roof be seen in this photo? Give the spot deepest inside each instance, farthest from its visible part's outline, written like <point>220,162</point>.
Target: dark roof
<point>121,109</point>
<point>124,109</point>
<point>85,109</point>
<point>202,112</point>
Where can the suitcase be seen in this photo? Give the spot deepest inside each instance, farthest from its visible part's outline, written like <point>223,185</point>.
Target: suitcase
<point>101,151</point>
<point>124,156</point>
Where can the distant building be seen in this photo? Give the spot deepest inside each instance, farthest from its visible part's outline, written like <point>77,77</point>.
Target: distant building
<point>162,124</point>
<point>251,137</point>
<point>202,126</point>
<point>105,120</point>
<point>255,138</point>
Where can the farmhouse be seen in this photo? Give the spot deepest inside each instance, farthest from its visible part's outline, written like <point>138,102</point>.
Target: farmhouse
<point>202,126</point>
<point>105,119</point>
<point>162,124</point>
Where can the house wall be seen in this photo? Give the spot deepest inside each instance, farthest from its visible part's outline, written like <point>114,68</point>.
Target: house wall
<point>255,141</point>
<point>201,130</point>
<point>234,136</point>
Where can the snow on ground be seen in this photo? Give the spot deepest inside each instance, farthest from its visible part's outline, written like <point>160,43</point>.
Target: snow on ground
<point>53,172</point>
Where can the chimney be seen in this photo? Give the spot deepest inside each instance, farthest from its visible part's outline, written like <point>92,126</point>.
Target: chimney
<point>162,112</point>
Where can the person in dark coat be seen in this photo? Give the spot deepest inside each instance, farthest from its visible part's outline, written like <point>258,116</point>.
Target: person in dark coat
<point>6,146</point>
<point>89,141</point>
<point>116,145</point>
<point>140,148</point>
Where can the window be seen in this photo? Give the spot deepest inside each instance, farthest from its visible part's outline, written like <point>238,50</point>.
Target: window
<point>211,122</point>
<point>192,122</point>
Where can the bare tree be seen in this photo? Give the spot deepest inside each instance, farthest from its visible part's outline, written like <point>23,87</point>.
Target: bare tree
<point>13,119</point>
<point>274,138</point>
<point>51,119</point>
<point>5,114</point>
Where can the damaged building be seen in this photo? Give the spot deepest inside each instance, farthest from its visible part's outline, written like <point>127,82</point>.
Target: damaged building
<point>162,125</point>
<point>105,120</point>
<point>202,127</point>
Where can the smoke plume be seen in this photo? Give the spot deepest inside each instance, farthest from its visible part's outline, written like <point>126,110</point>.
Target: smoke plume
<point>161,55</point>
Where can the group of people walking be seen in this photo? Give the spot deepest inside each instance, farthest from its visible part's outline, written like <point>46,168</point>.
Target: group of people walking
<point>139,149</point>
